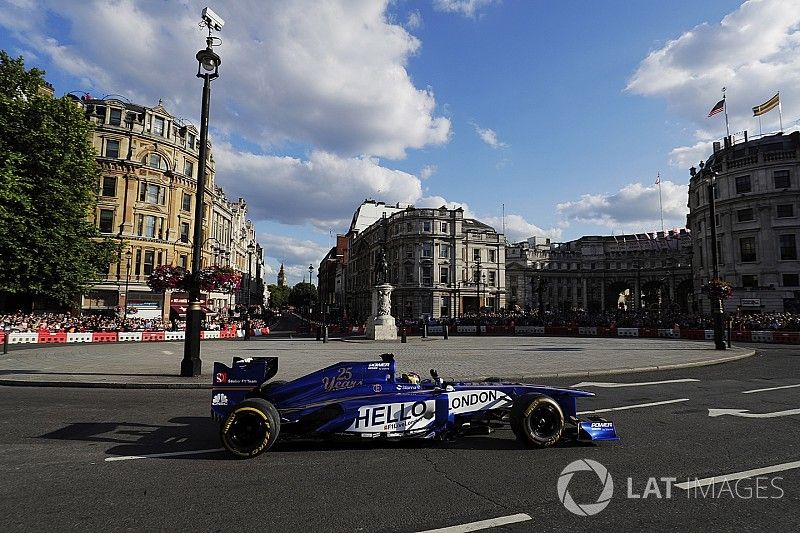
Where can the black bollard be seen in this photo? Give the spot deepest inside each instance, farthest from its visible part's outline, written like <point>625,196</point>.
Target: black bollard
<point>478,329</point>
<point>319,333</point>
<point>424,331</point>
<point>403,334</point>
<point>445,332</point>
<point>325,334</point>
<point>5,341</point>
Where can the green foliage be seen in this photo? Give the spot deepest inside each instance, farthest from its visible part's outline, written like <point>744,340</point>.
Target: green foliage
<point>278,296</point>
<point>303,294</point>
<point>48,186</point>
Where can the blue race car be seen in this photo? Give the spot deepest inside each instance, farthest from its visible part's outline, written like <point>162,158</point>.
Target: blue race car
<point>366,400</point>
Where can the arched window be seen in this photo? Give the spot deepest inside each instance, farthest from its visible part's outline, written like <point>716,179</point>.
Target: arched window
<point>155,160</point>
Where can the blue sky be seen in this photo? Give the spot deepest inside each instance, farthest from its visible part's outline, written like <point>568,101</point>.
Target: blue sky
<point>563,112</point>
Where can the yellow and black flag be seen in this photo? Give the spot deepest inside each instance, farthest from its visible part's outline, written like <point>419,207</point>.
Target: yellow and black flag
<point>767,106</point>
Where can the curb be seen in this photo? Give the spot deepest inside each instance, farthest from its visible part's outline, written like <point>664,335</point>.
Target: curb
<point>612,371</point>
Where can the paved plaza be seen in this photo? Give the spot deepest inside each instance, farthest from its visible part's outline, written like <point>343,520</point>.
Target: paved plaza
<point>157,364</point>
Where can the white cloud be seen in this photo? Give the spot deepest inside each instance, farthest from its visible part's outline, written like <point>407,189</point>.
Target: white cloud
<point>690,156</point>
<point>754,52</point>
<point>427,171</point>
<point>518,229</point>
<point>414,21</point>
<point>633,205</point>
<point>489,136</point>
<point>330,74</point>
<point>468,8</point>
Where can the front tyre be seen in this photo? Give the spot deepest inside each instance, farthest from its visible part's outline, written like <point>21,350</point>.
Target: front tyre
<point>252,427</point>
<point>537,420</point>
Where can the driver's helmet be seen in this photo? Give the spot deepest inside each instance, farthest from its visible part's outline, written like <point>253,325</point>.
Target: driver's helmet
<point>411,377</point>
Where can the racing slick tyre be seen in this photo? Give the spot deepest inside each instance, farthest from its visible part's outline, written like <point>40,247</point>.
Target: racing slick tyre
<point>537,420</point>
<point>252,427</point>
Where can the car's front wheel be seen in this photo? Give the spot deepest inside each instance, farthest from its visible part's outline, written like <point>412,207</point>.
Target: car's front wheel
<point>251,428</point>
<point>537,420</point>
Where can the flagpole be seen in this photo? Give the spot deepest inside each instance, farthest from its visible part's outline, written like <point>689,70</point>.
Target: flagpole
<point>725,107</point>
<point>780,115</point>
<point>660,204</point>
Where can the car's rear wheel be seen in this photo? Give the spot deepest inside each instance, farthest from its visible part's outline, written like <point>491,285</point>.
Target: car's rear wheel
<point>537,420</point>
<point>251,428</point>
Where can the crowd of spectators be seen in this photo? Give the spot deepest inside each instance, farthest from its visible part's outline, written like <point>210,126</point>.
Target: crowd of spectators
<point>66,323</point>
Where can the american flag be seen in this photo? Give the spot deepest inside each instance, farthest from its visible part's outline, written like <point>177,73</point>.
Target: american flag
<point>718,108</point>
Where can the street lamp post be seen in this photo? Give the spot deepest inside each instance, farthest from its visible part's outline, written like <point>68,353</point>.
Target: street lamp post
<point>716,301</point>
<point>250,250</point>
<point>478,292</point>
<point>208,69</point>
<point>310,271</point>
<point>128,255</point>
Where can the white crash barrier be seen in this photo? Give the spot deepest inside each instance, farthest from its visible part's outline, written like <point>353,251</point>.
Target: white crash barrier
<point>584,330</point>
<point>669,333</point>
<point>529,330</point>
<point>240,333</point>
<point>79,337</point>
<point>761,336</point>
<point>23,338</point>
<point>709,334</point>
<point>627,332</point>
<point>211,335</point>
<point>129,336</point>
<point>466,329</point>
<point>174,335</point>
<point>437,330</point>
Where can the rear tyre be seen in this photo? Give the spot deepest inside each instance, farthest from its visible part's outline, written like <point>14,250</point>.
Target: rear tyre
<point>537,420</point>
<point>251,428</point>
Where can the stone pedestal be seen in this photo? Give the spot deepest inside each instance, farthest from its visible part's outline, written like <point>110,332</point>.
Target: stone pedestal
<point>381,325</point>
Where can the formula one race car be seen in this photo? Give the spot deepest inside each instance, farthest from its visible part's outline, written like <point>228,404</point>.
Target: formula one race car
<point>367,400</point>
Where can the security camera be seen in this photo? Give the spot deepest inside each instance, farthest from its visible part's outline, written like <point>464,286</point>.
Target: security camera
<point>213,20</point>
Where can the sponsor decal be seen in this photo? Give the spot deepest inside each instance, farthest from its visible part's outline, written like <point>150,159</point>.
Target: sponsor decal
<point>221,377</point>
<point>378,366</point>
<point>342,380</point>
<point>219,399</point>
<point>394,417</point>
<point>407,387</point>
<point>602,424</point>
<point>476,400</point>
<point>246,381</point>
<point>377,387</point>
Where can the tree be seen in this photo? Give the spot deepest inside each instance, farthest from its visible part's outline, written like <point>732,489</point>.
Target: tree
<point>303,295</point>
<point>48,186</point>
<point>278,295</point>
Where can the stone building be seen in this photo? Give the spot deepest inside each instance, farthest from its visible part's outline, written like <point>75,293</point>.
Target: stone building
<point>597,273</point>
<point>756,184</point>
<point>149,168</point>
<point>440,263</point>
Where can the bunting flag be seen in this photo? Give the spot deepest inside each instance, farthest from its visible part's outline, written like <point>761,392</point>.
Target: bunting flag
<point>658,179</point>
<point>719,107</point>
<point>767,106</point>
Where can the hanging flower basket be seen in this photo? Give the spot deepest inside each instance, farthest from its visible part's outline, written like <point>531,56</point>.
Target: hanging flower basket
<point>213,278</point>
<point>717,288</point>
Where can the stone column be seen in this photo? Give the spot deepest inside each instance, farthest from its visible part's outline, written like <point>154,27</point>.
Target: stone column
<point>381,324</point>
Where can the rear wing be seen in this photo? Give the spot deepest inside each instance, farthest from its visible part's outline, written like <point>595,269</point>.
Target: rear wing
<point>231,385</point>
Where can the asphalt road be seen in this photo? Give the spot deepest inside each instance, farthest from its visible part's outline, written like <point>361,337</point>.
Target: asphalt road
<point>66,465</point>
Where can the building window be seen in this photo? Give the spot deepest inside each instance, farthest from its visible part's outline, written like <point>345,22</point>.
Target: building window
<point>716,190</point>
<point>187,202</point>
<point>747,247</point>
<point>184,232</point>
<point>788,246</point>
<point>109,186</point>
<point>444,251</point>
<point>743,184</point>
<point>781,179</point>
<point>744,215</point>
<point>445,309</point>
<point>190,140</point>
<point>444,275</point>
<point>138,268</point>
<point>106,221</point>
<point>188,169</point>
<point>476,254</point>
<point>409,227</point>
<point>785,210</point>
<point>409,251</point>
<point>149,261</point>
<point>158,126</point>
<point>697,198</point>
<point>409,274</point>
<point>152,194</point>
<point>426,226</point>
<point>184,260</point>
<point>719,253</point>
<point>427,275</point>
<point>147,226</point>
<point>791,280</point>
<point>749,281</point>
<point>445,227</point>
<point>427,249</point>
<point>112,149</point>
<point>155,160</point>
<point>492,256</point>
<point>492,278</point>
<point>115,118</point>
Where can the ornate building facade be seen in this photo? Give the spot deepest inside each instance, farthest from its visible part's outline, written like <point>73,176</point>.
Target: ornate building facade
<point>440,263</point>
<point>756,189</point>
<point>149,167</point>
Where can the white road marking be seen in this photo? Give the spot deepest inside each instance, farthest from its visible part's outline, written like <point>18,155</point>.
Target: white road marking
<point>166,454</point>
<point>753,391</point>
<point>746,414</point>
<point>737,475</point>
<point>636,406</point>
<point>167,352</point>
<point>483,524</point>
<point>610,385</point>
